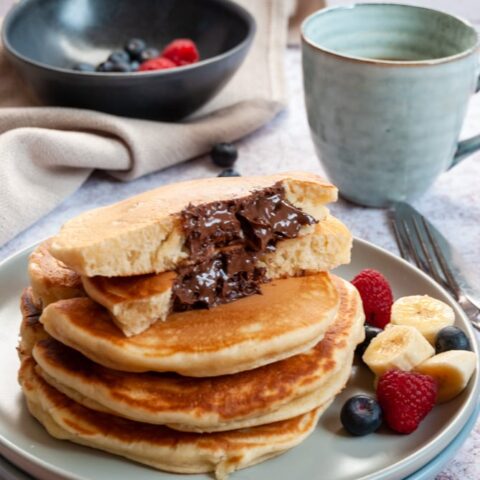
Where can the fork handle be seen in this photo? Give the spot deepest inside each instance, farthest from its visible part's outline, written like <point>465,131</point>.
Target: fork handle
<point>466,147</point>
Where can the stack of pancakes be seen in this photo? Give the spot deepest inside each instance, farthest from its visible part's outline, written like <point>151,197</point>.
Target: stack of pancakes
<point>192,328</point>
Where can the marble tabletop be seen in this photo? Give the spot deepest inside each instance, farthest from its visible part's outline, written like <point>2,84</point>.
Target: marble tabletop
<point>453,204</point>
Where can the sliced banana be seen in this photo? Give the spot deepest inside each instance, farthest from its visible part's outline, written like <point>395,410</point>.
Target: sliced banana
<point>423,312</point>
<point>398,346</point>
<point>452,371</point>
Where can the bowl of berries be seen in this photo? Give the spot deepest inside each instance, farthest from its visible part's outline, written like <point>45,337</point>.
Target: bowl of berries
<point>159,59</point>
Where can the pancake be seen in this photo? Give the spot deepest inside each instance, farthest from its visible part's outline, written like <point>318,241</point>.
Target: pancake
<point>51,279</point>
<point>137,302</point>
<point>157,230</point>
<point>290,317</point>
<point>159,446</point>
<point>31,330</point>
<point>270,393</point>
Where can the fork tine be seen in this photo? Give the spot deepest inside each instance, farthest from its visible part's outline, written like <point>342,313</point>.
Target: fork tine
<point>398,237</point>
<point>451,282</point>
<point>432,266</point>
<point>411,246</point>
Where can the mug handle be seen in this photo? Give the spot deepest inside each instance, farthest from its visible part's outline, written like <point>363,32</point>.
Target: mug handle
<point>466,147</point>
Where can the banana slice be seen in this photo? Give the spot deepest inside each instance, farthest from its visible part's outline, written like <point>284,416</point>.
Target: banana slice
<point>425,313</point>
<point>398,346</point>
<point>452,371</point>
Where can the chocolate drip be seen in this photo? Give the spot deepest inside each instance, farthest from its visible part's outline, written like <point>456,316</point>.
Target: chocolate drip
<point>225,277</point>
<point>241,229</point>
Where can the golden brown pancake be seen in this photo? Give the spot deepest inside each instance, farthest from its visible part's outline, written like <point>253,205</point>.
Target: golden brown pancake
<point>136,302</point>
<point>51,279</point>
<point>159,446</point>
<point>281,389</point>
<point>291,316</point>
<point>144,234</point>
<point>31,330</point>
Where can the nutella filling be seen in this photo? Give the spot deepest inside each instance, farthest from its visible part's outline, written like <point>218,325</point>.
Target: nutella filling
<point>242,229</point>
<point>225,277</point>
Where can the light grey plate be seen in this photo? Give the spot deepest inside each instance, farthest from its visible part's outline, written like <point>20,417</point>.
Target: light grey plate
<point>328,454</point>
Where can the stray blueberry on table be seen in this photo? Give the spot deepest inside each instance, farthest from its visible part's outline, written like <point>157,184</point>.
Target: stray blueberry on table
<point>224,154</point>
<point>451,338</point>
<point>119,57</point>
<point>370,333</point>
<point>83,67</point>
<point>361,415</point>
<point>148,54</point>
<point>229,172</point>
<point>135,47</point>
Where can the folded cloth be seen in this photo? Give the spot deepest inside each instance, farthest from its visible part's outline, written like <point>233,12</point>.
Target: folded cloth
<point>48,152</point>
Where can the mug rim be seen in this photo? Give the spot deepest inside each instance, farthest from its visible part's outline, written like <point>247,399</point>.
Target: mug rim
<point>391,63</point>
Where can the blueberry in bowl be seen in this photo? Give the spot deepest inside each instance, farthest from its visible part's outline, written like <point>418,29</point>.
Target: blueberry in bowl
<point>89,53</point>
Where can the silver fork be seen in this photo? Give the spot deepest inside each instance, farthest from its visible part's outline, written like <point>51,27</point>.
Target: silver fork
<point>416,241</point>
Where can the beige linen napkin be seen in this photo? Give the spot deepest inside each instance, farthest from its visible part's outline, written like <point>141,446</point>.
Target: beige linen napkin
<point>48,152</point>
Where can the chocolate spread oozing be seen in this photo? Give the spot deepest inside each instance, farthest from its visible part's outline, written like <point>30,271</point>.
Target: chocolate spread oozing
<point>241,229</point>
<point>227,276</point>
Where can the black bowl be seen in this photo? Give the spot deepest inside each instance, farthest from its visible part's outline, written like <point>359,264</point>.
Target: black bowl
<point>45,38</point>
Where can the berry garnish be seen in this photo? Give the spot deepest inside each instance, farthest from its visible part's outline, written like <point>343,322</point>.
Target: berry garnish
<point>451,338</point>
<point>182,51</point>
<point>119,57</point>
<point>405,398</point>
<point>148,54</point>
<point>83,67</point>
<point>361,415</point>
<point>229,172</point>
<point>158,63</point>
<point>370,333</point>
<point>224,154</point>
<point>135,47</point>
<point>134,66</point>
<point>377,297</point>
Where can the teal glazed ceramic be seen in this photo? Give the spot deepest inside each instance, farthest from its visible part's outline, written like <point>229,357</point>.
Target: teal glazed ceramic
<point>386,92</point>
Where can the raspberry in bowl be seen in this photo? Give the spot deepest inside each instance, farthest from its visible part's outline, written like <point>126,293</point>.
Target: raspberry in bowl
<point>72,33</point>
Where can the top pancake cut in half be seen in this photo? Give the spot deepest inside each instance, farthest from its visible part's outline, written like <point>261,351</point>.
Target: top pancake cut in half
<point>136,302</point>
<point>289,317</point>
<point>273,392</point>
<point>161,229</point>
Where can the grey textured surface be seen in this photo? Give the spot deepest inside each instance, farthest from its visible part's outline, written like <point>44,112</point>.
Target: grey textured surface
<point>453,204</point>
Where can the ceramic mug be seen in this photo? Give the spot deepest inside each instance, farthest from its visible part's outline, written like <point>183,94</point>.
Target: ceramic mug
<point>386,92</point>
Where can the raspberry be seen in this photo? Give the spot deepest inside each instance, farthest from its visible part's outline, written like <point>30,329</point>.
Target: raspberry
<point>405,398</point>
<point>181,52</point>
<point>377,297</point>
<point>158,63</point>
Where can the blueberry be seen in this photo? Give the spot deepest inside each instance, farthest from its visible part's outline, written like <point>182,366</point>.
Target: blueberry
<point>119,57</point>
<point>114,67</point>
<point>134,66</point>
<point>148,54</point>
<point>370,333</point>
<point>106,67</point>
<point>224,154</point>
<point>451,338</point>
<point>135,47</point>
<point>83,67</point>
<point>229,172</point>
<point>361,415</point>
<point>122,67</point>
